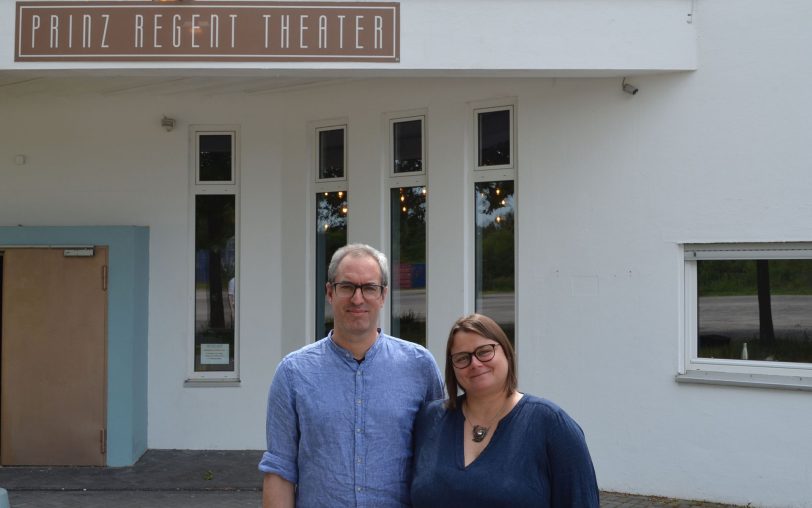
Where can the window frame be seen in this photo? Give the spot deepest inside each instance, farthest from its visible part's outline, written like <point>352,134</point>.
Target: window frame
<point>330,126</point>
<point>398,180</point>
<point>400,118</point>
<point>316,186</point>
<point>196,188</point>
<point>480,174</point>
<point>758,373</point>
<point>489,108</point>
<point>196,166</point>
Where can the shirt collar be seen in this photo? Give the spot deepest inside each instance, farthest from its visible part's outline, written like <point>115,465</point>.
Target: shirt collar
<point>370,354</point>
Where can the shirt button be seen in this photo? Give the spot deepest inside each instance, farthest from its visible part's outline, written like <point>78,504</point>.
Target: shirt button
<point>358,430</point>
<point>358,489</point>
<point>358,460</point>
<point>358,373</point>
<point>358,401</point>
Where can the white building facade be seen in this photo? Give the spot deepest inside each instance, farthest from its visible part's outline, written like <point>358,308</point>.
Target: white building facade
<point>618,202</point>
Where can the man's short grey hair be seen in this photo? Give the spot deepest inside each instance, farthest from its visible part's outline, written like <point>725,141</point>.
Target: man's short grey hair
<point>358,250</point>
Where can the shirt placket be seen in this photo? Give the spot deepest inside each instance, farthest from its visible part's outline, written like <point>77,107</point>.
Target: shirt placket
<point>360,438</point>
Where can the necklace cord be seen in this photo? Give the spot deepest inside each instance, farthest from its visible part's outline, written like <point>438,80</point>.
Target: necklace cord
<point>480,432</point>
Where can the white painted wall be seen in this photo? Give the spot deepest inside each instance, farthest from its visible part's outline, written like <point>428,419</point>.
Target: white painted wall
<point>608,185</point>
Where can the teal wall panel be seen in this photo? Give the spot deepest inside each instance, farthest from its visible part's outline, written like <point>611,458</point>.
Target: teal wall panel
<point>127,320</point>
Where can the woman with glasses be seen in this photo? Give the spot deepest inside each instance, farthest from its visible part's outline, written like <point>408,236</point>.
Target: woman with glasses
<point>494,446</point>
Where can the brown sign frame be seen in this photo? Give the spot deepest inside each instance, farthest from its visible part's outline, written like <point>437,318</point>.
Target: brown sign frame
<point>198,31</point>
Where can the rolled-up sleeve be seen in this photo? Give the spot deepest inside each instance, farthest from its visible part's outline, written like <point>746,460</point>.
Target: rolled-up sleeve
<point>281,428</point>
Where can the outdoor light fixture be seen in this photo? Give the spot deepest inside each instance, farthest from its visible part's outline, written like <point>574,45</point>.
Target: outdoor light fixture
<point>629,88</point>
<point>167,123</point>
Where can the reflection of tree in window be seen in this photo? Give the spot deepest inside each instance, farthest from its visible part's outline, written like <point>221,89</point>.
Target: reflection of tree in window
<point>495,205</point>
<point>765,304</point>
<point>408,284</point>
<point>412,224</point>
<point>215,260</point>
<point>495,272</point>
<point>331,234</point>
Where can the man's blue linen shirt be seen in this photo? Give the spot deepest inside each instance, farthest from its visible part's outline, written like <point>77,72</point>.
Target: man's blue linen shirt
<point>342,430</point>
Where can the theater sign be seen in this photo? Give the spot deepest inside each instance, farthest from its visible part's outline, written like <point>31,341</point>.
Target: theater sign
<point>242,31</point>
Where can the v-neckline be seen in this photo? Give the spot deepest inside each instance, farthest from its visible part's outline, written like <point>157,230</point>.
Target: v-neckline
<point>459,434</point>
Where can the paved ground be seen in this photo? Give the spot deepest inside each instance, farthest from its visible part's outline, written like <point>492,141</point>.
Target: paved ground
<point>188,479</point>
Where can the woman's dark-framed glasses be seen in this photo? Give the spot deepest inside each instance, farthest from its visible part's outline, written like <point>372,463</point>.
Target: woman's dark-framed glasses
<point>347,290</point>
<point>483,353</point>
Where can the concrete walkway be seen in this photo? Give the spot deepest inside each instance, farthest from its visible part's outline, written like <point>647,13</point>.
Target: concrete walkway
<point>187,479</point>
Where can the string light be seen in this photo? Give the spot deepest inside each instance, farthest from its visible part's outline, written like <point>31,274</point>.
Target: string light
<point>344,210</point>
<point>340,194</point>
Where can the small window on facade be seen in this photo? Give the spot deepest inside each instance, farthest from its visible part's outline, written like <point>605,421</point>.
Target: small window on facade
<point>215,290</point>
<point>331,153</point>
<point>407,146</point>
<point>494,138</point>
<point>494,253</point>
<point>748,313</point>
<point>408,263</point>
<point>215,158</point>
<point>331,234</point>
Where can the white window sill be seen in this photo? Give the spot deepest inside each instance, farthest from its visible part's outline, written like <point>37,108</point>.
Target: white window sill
<point>211,383</point>
<point>747,380</point>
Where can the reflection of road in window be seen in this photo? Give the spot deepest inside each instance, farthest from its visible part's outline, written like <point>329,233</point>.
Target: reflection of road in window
<point>408,263</point>
<point>495,271</point>
<point>766,305</point>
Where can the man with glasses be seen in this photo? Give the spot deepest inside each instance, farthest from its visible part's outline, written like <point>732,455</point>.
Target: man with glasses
<point>341,411</point>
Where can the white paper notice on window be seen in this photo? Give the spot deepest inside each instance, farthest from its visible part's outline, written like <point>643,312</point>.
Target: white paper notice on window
<point>214,354</point>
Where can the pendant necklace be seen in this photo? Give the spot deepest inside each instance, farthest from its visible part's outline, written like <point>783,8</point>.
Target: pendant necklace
<point>480,432</point>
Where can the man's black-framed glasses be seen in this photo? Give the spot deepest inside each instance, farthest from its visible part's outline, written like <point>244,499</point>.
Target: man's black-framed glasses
<point>347,290</point>
<point>484,353</point>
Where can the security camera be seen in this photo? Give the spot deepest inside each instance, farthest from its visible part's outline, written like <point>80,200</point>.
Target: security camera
<point>630,89</point>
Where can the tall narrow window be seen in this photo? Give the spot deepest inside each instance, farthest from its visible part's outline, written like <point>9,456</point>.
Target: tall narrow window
<point>495,256</point>
<point>331,211</point>
<point>495,165</point>
<point>331,235</point>
<point>407,226</point>
<point>215,249</point>
<point>408,259</point>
